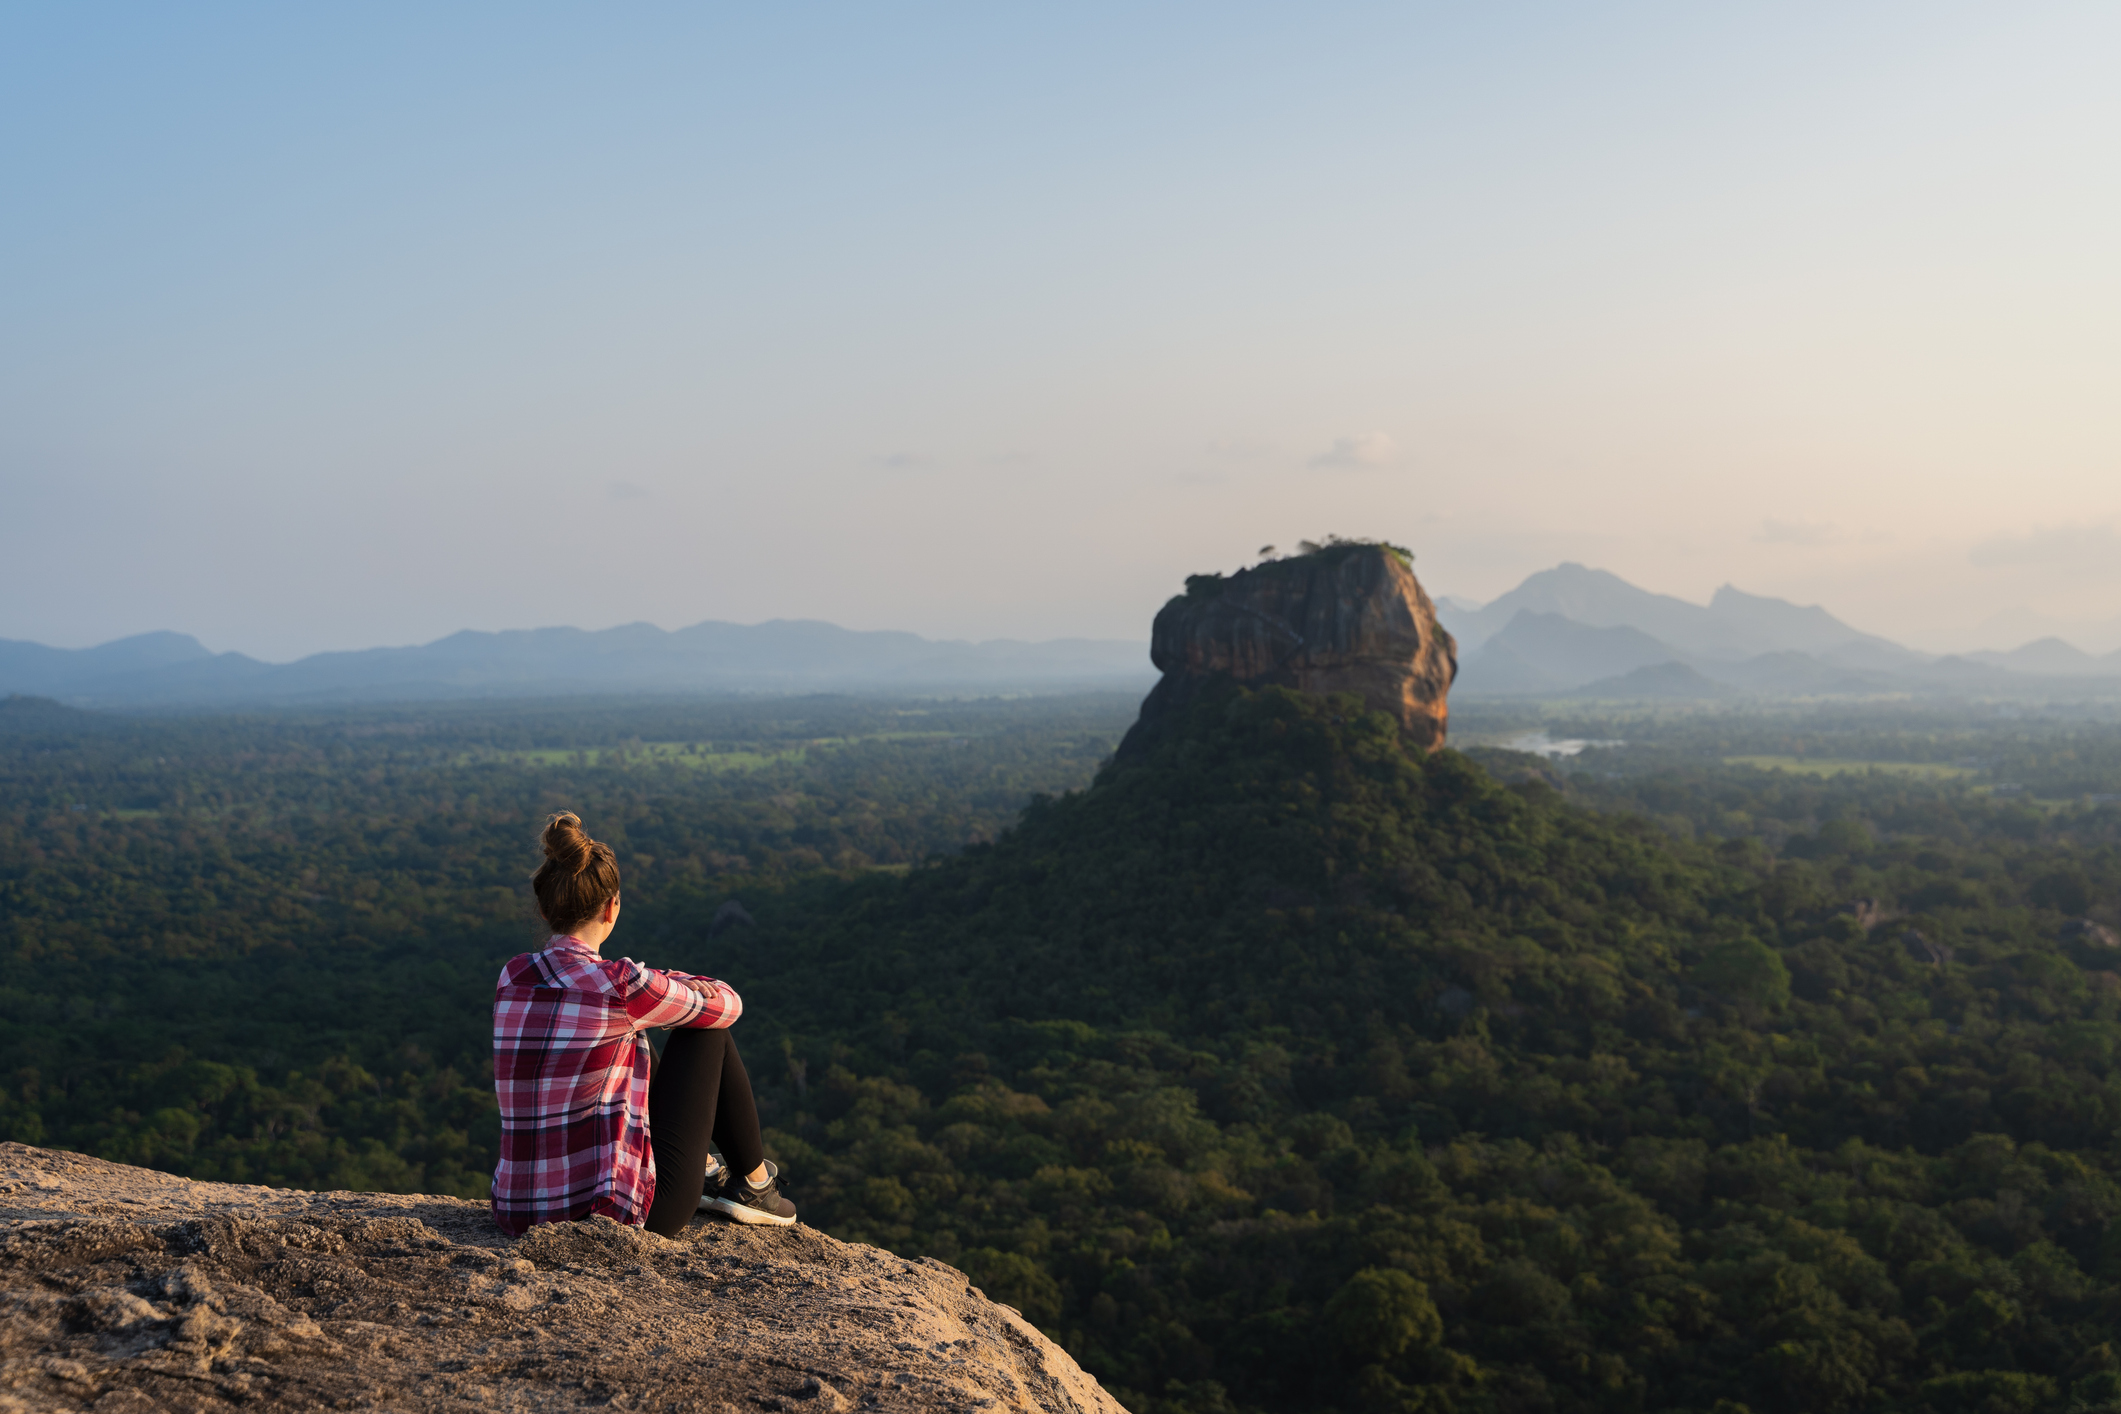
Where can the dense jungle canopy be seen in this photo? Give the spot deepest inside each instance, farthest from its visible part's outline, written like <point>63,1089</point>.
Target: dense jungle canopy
<point>1282,1070</point>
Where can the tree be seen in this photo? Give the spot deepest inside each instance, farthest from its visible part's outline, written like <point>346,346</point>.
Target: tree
<point>1380,1313</point>
<point>1748,974</point>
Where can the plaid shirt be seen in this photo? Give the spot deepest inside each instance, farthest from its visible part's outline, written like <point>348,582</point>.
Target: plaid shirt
<point>570,1065</point>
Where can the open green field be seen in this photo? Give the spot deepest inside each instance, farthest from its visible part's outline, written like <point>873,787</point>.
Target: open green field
<point>1812,766</point>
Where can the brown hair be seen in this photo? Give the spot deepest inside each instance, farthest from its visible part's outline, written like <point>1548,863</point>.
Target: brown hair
<point>579,875</point>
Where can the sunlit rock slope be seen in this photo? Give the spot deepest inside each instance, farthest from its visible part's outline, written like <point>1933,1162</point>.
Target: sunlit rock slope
<point>129,1291</point>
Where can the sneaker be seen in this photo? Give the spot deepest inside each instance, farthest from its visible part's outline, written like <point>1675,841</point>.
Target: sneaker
<point>739,1200</point>
<point>717,1176</point>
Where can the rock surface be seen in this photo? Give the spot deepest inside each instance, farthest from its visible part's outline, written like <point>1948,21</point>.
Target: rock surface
<point>1347,618</point>
<point>2090,933</point>
<point>129,1291</point>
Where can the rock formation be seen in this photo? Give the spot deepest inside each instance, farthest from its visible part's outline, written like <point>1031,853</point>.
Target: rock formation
<point>1350,617</point>
<point>2089,933</point>
<point>131,1292</point>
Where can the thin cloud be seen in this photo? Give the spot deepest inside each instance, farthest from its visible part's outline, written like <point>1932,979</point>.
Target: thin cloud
<point>1807,533</point>
<point>1349,453</point>
<point>628,491</point>
<point>2065,547</point>
<point>900,461</point>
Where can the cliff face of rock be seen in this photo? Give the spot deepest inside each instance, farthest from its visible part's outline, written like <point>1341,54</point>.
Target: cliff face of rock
<point>134,1292</point>
<point>1348,618</point>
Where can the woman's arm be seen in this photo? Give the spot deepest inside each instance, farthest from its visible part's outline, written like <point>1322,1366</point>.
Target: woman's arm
<point>721,998</point>
<point>681,999</point>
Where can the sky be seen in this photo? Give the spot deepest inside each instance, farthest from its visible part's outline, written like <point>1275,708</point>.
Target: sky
<point>337,325</point>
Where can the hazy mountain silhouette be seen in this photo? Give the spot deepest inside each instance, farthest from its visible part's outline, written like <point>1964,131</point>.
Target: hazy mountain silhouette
<point>32,667</point>
<point>783,655</point>
<point>2051,656</point>
<point>1562,631</point>
<point>1542,653</point>
<point>1802,675</point>
<point>1595,598</point>
<point>1658,682</point>
<point>1733,625</point>
<point>1579,631</point>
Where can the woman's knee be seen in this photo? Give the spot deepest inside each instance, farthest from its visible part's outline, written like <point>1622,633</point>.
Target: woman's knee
<point>695,1043</point>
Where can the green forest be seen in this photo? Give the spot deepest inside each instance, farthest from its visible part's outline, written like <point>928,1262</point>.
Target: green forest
<point>1280,1070</point>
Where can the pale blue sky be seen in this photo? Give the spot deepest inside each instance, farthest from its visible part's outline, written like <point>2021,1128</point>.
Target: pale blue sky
<point>366,323</point>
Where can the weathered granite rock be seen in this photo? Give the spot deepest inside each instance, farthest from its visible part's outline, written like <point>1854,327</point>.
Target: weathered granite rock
<point>1347,618</point>
<point>1870,912</point>
<point>2090,933</point>
<point>130,1291</point>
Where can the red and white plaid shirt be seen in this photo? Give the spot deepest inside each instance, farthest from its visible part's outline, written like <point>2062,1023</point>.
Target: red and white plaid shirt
<point>570,1065</point>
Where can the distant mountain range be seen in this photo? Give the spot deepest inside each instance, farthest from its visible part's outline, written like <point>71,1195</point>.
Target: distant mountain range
<point>781,656</point>
<point>1569,631</point>
<point>1575,631</point>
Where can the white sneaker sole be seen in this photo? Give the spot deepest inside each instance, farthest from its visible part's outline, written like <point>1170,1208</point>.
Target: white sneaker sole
<point>745,1213</point>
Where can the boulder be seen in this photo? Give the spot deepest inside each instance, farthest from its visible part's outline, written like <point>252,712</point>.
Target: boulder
<point>1348,617</point>
<point>1869,912</point>
<point>2089,933</point>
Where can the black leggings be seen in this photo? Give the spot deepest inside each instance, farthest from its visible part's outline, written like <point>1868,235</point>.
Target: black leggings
<point>697,1090</point>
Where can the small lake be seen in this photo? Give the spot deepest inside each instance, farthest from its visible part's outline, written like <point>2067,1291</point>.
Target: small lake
<point>1540,744</point>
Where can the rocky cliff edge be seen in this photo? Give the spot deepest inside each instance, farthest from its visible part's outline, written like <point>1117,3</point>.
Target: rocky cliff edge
<point>1347,617</point>
<point>127,1291</point>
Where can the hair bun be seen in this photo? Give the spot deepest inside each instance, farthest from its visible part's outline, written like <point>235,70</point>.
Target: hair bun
<point>579,876</point>
<point>566,844</point>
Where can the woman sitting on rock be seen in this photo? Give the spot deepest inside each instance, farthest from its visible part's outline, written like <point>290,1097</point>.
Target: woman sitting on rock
<point>590,1122</point>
